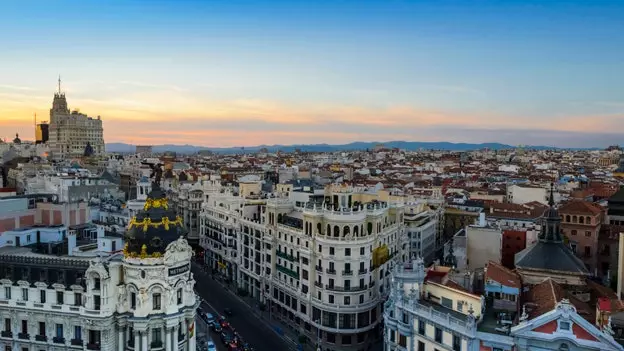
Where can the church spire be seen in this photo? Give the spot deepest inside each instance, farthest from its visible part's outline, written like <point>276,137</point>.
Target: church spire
<point>551,201</point>
<point>551,227</point>
<point>59,84</point>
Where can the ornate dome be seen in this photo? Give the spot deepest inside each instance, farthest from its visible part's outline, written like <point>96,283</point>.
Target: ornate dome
<point>153,228</point>
<point>17,139</point>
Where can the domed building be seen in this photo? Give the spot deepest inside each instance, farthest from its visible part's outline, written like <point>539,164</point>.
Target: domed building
<point>158,294</point>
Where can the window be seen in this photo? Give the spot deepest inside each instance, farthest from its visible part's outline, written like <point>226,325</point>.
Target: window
<point>59,331</point>
<point>331,298</point>
<point>361,298</point>
<point>179,296</point>
<point>564,326</point>
<point>331,251</point>
<point>156,302</point>
<point>77,333</point>
<point>25,294</point>
<point>456,343</point>
<point>361,251</point>
<point>347,300</point>
<point>7,324</point>
<point>42,330</point>
<point>347,252</point>
<point>421,327</point>
<point>96,284</point>
<point>7,292</point>
<point>24,326</point>
<point>421,346</point>
<point>96,302</point>
<point>42,296</point>
<point>438,335</point>
<point>156,337</point>
<point>133,300</point>
<point>587,233</point>
<point>446,302</point>
<point>59,297</point>
<point>77,299</point>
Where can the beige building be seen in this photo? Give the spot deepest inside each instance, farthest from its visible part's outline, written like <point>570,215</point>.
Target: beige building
<point>71,132</point>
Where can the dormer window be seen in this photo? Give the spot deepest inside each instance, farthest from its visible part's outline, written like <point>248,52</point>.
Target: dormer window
<point>96,283</point>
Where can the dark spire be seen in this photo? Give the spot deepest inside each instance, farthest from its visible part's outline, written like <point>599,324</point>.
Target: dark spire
<point>551,223</point>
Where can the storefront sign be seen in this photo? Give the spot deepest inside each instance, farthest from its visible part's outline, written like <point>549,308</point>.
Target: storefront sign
<point>179,270</point>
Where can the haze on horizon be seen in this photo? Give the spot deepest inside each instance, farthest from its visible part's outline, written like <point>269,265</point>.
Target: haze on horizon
<point>244,73</point>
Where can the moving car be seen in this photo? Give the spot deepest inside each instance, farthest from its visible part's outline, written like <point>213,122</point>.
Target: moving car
<point>228,311</point>
<point>209,319</point>
<point>216,327</point>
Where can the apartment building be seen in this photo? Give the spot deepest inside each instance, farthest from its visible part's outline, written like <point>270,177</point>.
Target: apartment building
<point>319,258</point>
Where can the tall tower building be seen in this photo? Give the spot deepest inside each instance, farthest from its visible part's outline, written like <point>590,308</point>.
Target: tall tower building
<point>71,132</point>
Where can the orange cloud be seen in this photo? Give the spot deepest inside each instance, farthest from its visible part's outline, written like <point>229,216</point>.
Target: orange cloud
<point>187,118</point>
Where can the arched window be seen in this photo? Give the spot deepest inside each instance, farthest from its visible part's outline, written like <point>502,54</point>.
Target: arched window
<point>567,218</point>
<point>582,220</point>
<point>336,231</point>
<point>318,228</point>
<point>356,230</point>
<point>328,233</point>
<point>346,230</point>
<point>279,218</point>
<point>370,228</point>
<point>574,219</point>
<point>588,220</point>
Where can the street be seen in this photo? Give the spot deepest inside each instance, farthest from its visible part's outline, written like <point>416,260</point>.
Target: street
<point>247,323</point>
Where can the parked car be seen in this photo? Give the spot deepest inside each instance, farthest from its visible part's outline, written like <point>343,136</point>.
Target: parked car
<point>211,346</point>
<point>209,318</point>
<point>216,327</point>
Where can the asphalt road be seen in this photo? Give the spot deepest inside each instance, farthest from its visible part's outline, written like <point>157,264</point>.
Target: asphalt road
<point>247,324</point>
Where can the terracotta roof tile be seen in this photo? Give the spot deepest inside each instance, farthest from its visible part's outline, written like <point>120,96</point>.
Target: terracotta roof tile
<point>502,275</point>
<point>580,208</point>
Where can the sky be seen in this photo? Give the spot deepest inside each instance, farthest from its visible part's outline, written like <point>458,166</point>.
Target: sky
<point>244,73</point>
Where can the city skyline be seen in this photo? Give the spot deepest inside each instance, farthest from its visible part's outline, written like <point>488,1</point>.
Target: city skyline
<point>251,73</point>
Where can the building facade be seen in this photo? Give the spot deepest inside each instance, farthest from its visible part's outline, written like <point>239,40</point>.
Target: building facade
<point>318,258</point>
<point>71,132</point>
<point>63,289</point>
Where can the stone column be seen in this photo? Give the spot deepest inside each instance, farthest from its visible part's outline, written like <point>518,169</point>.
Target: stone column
<point>137,340</point>
<point>168,339</point>
<point>121,340</point>
<point>174,342</point>
<point>144,345</point>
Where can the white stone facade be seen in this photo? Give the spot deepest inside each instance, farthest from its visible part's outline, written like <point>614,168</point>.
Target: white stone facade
<point>120,303</point>
<point>312,264</point>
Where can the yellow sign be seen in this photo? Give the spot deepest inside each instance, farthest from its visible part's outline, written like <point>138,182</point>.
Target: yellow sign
<point>221,264</point>
<point>380,255</point>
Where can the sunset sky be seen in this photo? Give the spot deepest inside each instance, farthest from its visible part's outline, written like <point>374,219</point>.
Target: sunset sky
<point>243,73</point>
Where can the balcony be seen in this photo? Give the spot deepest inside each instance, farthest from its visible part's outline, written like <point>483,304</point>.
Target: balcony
<point>42,338</point>
<point>58,340</point>
<point>319,269</point>
<point>23,336</point>
<point>330,271</point>
<point>349,272</point>
<point>76,342</point>
<point>287,271</point>
<point>363,271</point>
<point>286,256</point>
<point>93,346</point>
<point>346,288</point>
<point>157,344</point>
<point>6,334</point>
<point>181,337</point>
<point>318,284</point>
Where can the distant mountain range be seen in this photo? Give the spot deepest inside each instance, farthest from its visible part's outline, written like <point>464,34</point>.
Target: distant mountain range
<point>358,145</point>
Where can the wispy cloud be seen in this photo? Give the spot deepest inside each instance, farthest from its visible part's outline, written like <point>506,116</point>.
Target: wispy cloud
<point>152,86</point>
